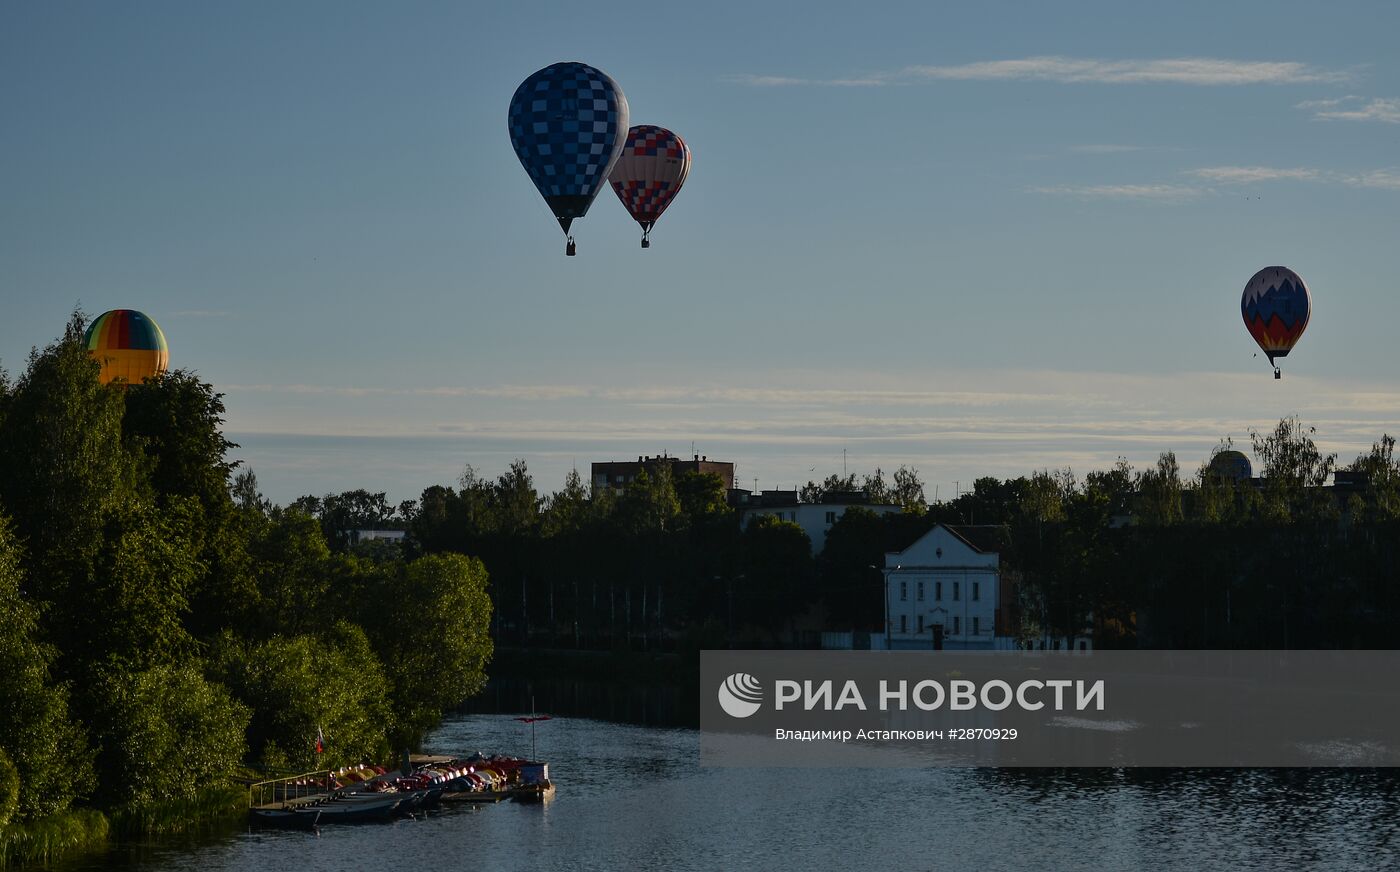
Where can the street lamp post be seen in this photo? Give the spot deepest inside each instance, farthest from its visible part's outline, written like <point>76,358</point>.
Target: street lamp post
<point>889,626</point>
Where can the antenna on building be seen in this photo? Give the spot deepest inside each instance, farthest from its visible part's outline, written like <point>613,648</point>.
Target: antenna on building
<point>843,463</point>
<point>755,484</point>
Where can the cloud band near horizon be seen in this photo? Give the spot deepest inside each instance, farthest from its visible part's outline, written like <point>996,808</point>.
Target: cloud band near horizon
<point>1068,70</point>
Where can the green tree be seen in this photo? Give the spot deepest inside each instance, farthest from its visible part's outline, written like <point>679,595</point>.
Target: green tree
<point>850,571</point>
<point>49,752</point>
<point>567,510</point>
<point>1160,492</point>
<point>147,565</point>
<point>9,788</point>
<point>289,561</point>
<point>64,468</point>
<point>246,495</point>
<point>163,734</point>
<point>777,563</point>
<point>816,492</point>
<point>515,502</point>
<point>650,504</point>
<point>1381,471</point>
<point>1046,495</point>
<point>432,628</point>
<point>702,498</point>
<point>295,685</point>
<point>908,490</point>
<point>1293,470</point>
<point>175,422</point>
<point>343,513</point>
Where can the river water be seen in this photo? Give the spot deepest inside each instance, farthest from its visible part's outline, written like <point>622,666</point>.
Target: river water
<point>634,797</point>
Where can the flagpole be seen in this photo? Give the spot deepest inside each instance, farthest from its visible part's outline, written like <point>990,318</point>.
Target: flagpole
<point>534,725</point>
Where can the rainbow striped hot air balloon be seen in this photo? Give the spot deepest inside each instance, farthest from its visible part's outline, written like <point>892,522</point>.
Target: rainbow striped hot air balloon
<point>1276,307</point>
<point>129,346</point>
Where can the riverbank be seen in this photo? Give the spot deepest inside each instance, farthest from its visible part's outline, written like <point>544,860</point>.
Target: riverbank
<point>90,831</point>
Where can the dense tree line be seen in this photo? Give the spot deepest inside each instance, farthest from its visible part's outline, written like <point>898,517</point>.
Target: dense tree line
<point>1156,558</point>
<point>662,561</point>
<point>164,626</point>
<point>1151,557</point>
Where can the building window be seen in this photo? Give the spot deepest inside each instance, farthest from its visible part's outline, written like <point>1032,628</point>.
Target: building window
<point>976,625</point>
<point>938,591</point>
<point>903,623</point>
<point>903,591</point>
<point>957,624</point>
<point>921,623</point>
<point>921,592</point>
<point>831,517</point>
<point>976,591</point>
<point>957,591</point>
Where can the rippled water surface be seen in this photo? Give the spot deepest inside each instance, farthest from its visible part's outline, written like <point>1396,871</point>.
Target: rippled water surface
<point>634,797</point>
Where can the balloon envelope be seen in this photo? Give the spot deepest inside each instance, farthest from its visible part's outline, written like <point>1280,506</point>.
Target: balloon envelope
<point>128,344</point>
<point>1276,307</point>
<point>653,166</point>
<point>567,124</point>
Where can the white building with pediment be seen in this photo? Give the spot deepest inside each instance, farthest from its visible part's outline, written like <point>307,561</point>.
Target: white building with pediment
<point>944,590</point>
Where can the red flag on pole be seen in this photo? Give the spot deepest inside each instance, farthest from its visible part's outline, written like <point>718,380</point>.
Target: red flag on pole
<point>320,740</point>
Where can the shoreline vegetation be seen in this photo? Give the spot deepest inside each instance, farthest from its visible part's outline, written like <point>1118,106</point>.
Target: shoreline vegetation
<point>169,633</point>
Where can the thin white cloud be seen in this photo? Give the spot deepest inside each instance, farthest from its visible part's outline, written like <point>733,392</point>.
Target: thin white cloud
<point>1328,103</point>
<point>1248,175</point>
<point>1068,70</point>
<point>1184,71</point>
<point>1004,423</point>
<point>1382,179</point>
<point>1354,108</point>
<point>1105,148</point>
<point>1388,180</point>
<point>1158,193</point>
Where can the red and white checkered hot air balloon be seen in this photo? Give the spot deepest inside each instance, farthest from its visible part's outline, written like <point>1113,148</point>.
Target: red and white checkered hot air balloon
<point>650,173</point>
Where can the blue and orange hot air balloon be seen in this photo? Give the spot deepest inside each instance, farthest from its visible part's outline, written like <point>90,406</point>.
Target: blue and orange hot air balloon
<point>1276,306</point>
<point>128,344</point>
<point>653,166</point>
<point>567,124</point>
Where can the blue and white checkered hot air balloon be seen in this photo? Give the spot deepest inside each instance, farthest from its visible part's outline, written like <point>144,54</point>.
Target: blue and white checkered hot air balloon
<point>568,123</point>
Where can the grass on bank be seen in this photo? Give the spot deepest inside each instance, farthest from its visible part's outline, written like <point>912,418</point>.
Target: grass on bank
<point>47,839</point>
<point>87,830</point>
<point>210,807</point>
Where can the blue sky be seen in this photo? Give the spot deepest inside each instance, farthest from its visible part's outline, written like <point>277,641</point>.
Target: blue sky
<point>978,239</point>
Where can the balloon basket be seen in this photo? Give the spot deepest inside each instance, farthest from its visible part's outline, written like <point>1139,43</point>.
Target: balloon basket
<point>569,248</point>
<point>646,243</point>
<point>1278,374</point>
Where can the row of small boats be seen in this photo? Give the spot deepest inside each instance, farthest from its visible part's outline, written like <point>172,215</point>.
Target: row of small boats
<point>371,793</point>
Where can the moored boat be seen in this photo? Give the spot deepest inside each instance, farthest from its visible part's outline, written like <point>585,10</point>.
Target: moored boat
<point>288,817</point>
<point>354,811</point>
<point>538,792</point>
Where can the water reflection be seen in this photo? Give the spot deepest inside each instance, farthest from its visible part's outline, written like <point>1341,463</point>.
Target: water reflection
<point>676,705</point>
<point>634,797</point>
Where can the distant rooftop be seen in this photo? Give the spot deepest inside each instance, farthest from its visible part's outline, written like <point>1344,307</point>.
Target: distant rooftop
<point>983,538</point>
